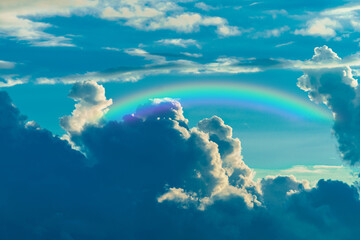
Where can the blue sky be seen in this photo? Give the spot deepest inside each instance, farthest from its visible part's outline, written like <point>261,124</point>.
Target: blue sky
<point>66,64</point>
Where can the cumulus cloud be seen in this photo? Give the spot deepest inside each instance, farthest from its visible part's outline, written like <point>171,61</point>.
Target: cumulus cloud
<point>312,173</point>
<point>223,174</point>
<point>323,27</point>
<point>92,105</point>
<point>154,177</point>
<point>337,89</point>
<point>336,23</point>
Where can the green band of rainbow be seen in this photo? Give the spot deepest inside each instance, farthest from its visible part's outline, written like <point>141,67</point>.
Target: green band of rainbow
<point>224,93</point>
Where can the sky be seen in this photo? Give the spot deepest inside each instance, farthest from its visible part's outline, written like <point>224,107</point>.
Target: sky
<point>180,119</point>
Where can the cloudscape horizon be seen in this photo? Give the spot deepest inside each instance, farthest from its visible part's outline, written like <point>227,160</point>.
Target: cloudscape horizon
<point>182,119</point>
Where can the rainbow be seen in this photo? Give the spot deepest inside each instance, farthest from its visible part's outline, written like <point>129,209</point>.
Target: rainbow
<point>238,95</point>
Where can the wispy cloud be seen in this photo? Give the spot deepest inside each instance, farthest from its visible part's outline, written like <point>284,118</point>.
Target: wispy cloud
<point>12,80</point>
<point>112,49</point>
<point>284,44</point>
<point>14,22</point>
<point>6,64</point>
<point>179,42</point>
<point>204,6</point>
<point>194,55</point>
<point>159,64</point>
<point>276,32</point>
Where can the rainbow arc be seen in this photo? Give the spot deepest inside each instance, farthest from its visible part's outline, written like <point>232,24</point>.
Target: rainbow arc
<point>237,95</point>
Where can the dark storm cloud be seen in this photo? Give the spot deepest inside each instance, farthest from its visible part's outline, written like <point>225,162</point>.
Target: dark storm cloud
<point>155,178</point>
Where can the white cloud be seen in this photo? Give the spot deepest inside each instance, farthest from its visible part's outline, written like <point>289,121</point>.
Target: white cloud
<point>255,3</point>
<point>12,80</point>
<point>112,49</point>
<point>142,53</point>
<point>227,31</point>
<point>179,42</point>
<point>284,44</point>
<point>153,15</point>
<point>14,22</point>
<point>194,55</point>
<point>160,65</point>
<point>341,10</point>
<point>191,22</point>
<point>6,64</point>
<point>330,22</point>
<point>272,32</point>
<point>92,105</point>
<point>204,6</point>
<point>323,27</point>
<point>276,13</point>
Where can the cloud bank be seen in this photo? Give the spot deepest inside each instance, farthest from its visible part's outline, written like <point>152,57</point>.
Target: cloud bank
<point>154,177</point>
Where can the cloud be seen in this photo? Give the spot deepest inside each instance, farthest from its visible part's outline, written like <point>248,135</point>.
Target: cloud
<point>91,107</point>
<point>12,80</point>
<point>329,23</point>
<point>112,49</point>
<point>223,174</point>
<point>272,32</point>
<point>284,44</point>
<point>146,55</point>
<point>156,15</point>
<point>6,64</point>
<point>15,22</point>
<point>191,22</point>
<point>193,55</point>
<point>312,173</point>
<point>204,6</point>
<point>323,27</point>
<point>154,177</point>
<point>160,65</point>
<point>180,42</point>
<point>276,13</point>
<point>337,89</point>
<point>346,9</point>
<point>16,18</point>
